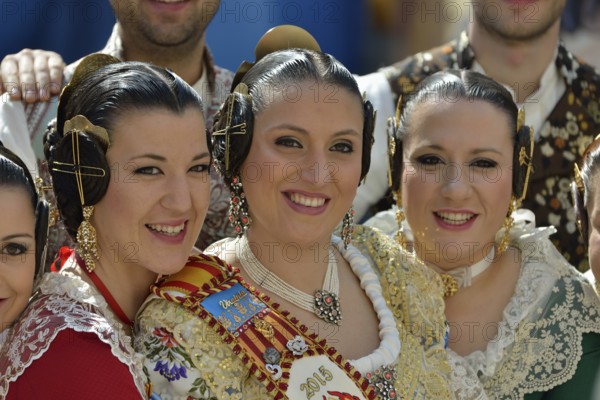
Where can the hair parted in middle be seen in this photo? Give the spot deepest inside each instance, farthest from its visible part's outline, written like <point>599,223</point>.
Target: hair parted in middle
<point>258,84</point>
<point>102,90</point>
<point>452,86</point>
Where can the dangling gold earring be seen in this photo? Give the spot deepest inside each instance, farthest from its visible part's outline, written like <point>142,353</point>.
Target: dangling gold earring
<point>348,227</point>
<point>400,237</point>
<point>87,245</point>
<point>508,223</point>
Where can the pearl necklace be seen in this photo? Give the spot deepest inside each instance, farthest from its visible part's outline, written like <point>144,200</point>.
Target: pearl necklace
<point>462,277</point>
<point>325,303</point>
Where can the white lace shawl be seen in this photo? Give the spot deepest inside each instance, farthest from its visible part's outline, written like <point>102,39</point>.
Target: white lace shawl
<point>65,301</point>
<point>538,345</point>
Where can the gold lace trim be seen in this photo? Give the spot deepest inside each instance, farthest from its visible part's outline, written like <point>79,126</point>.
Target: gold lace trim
<point>410,290</point>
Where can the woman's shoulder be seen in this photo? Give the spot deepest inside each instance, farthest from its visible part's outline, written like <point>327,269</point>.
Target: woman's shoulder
<point>54,325</point>
<point>201,273</point>
<point>75,364</point>
<point>373,242</point>
<point>387,254</point>
<point>202,276</point>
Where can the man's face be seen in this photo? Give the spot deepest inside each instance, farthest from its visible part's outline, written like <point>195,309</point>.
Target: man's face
<point>167,23</point>
<point>518,20</point>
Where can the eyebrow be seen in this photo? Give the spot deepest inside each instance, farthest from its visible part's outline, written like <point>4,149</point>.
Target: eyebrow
<point>305,132</point>
<point>475,151</point>
<point>16,236</point>
<point>164,159</point>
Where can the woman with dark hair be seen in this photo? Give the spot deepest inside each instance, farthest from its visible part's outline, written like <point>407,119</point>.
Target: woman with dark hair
<point>303,313</point>
<point>524,324</point>
<point>129,159</point>
<point>23,232</point>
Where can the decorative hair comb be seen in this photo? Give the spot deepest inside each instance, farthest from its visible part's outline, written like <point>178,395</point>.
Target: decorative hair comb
<point>88,65</point>
<point>281,37</point>
<point>239,129</point>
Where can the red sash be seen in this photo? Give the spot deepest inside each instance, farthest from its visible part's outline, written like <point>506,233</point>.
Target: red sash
<point>274,347</point>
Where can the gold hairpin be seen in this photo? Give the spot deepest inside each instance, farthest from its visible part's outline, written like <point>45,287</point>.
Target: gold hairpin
<point>40,188</point>
<point>526,159</point>
<point>80,123</point>
<point>76,167</point>
<point>229,128</point>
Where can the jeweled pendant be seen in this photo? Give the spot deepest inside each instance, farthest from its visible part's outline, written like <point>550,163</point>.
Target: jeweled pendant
<point>450,285</point>
<point>327,307</point>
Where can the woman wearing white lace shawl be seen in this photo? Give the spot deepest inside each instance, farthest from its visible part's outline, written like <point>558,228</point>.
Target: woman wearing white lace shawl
<point>269,326</point>
<point>129,160</point>
<point>523,323</point>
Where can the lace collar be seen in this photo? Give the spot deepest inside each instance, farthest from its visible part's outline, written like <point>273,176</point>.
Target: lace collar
<point>65,301</point>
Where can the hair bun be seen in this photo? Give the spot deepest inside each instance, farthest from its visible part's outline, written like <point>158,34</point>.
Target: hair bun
<point>281,37</point>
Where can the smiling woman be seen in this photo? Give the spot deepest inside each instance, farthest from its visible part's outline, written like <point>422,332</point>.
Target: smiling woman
<point>23,231</point>
<point>129,158</point>
<point>524,324</point>
<point>300,312</point>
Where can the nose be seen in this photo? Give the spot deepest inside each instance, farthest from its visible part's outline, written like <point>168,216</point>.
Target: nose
<point>456,184</point>
<point>177,194</point>
<point>316,168</point>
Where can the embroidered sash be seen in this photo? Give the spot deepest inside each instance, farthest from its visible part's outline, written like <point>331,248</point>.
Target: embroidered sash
<point>288,361</point>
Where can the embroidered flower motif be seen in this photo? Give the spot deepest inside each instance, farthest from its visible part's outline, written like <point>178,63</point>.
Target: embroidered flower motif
<point>572,128</point>
<point>568,155</point>
<point>547,150</point>
<point>297,345</point>
<point>540,199</point>
<point>165,337</point>
<point>554,219</point>
<point>171,373</point>
<point>165,354</point>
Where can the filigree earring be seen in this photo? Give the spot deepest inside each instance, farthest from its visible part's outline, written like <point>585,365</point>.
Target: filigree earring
<point>508,223</point>
<point>87,244</point>
<point>400,217</point>
<point>348,227</point>
<point>238,208</point>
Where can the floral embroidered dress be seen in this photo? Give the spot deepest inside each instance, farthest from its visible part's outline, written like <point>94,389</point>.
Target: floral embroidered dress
<point>69,345</point>
<point>569,127</point>
<point>548,342</point>
<point>207,334</point>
